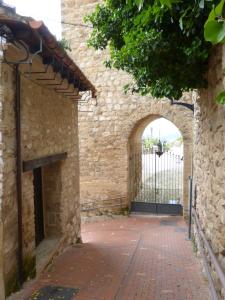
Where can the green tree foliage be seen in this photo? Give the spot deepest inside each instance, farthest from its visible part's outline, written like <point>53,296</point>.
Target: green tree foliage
<point>214,32</point>
<point>65,44</point>
<point>159,42</point>
<point>215,25</point>
<point>148,143</point>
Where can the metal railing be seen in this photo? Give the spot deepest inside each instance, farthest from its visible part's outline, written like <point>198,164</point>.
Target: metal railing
<point>213,258</point>
<point>159,195</point>
<point>156,179</point>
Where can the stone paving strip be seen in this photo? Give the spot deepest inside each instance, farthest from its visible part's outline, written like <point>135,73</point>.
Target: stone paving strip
<point>133,258</point>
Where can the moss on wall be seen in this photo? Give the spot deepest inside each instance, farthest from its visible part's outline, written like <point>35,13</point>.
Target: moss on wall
<point>12,281</point>
<point>29,265</point>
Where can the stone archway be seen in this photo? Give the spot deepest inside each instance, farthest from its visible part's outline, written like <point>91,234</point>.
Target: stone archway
<point>105,127</point>
<point>135,144</point>
<point>105,135</point>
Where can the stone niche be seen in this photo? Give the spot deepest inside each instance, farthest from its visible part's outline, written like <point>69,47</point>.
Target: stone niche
<point>43,227</point>
<point>52,197</point>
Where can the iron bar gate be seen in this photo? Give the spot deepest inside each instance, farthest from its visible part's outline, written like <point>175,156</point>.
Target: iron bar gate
<point>156,182</point>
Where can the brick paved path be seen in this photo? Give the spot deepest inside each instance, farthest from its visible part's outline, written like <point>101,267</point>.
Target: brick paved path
<point>135,258</point>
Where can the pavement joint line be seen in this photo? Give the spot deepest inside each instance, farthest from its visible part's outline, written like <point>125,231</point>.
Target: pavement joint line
<point>127,273</point>
<point>104,272</point>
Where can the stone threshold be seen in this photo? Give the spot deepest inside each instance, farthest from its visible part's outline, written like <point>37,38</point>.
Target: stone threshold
<point>45,253</point>
<point>102,218</point>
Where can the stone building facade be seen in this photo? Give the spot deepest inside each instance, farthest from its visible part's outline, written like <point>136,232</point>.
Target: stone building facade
<point>209,159</point>
<point>47,120</point>
<point>50,211</point>
<point>110,128</point>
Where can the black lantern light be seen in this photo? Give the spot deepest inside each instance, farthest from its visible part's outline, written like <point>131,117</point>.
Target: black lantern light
<point>159,151</point>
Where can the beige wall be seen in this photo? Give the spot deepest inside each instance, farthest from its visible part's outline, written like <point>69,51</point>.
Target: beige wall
<point>105,129</point>
<point>2,289</point>
<point>209,159</point>
<point>49,126</point>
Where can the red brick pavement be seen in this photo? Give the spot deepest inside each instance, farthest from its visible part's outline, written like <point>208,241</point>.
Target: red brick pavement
<point>134,258</point>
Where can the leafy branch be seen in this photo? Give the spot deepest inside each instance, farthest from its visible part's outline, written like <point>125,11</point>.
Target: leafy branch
<point>159,42</point>
<point>65,44</point>
<point>163,44</point>
<point>214,32</point>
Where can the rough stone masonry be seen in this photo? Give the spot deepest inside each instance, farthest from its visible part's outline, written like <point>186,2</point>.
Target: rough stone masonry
<point>107,130</point>
<point>49,126</point>
<point>209,159</point>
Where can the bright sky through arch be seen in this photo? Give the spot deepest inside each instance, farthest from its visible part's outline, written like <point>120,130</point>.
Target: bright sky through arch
<point>162,128</point>
<point>48,11</point>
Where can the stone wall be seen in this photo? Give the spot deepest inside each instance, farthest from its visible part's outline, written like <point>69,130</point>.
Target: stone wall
<point>106,129</point>
<point>49,126</point>
<point>209,158</point>
<point>184,124</point>
<point>2,290</point>
<point>52,179</point>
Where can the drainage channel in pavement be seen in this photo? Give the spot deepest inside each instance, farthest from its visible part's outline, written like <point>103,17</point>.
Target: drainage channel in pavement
<point>54,293</point>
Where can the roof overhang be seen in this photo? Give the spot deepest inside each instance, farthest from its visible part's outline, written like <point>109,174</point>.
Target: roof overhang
<point>33,33</point>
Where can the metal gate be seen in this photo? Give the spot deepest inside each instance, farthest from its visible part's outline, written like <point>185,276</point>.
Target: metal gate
<point>156,181</point>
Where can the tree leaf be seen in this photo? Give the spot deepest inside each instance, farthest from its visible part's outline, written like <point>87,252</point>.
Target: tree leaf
<point>166,3</point>
<point>169,3</point>
<point>181,23</point>
<point>214,31</point>
<point>202,4</point>
<point>221,98</point>
<point>216,12</point>
<point>139,4</point>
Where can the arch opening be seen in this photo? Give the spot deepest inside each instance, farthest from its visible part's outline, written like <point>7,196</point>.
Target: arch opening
<point>156,164</point>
